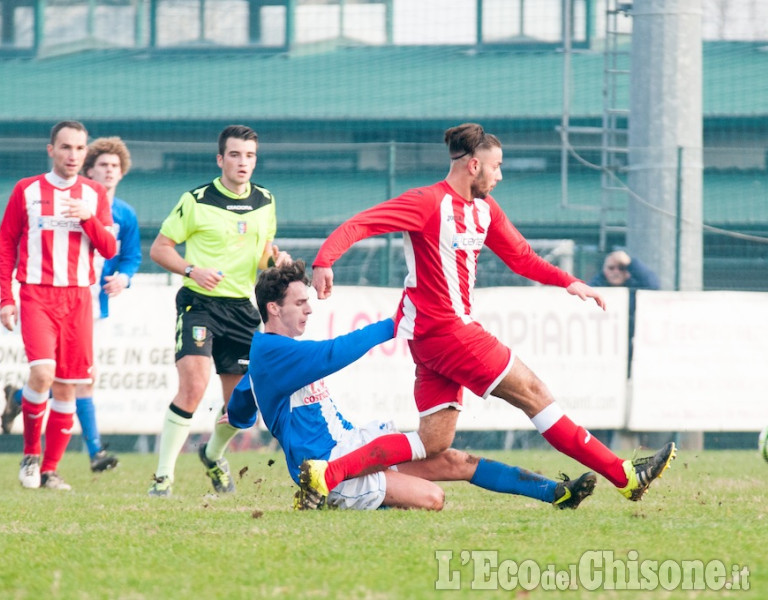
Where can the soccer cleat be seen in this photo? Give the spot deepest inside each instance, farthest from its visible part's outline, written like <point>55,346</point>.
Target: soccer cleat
<point>53,481</point>
<point>308,500</point>
<point>29,474</point>
<point>103,461</point>
<point>569,493</point>
<point>11,410</point>
<point>218,471</point>
<point>641,472</point>
<point>312,476</point>
<point>161,487</point>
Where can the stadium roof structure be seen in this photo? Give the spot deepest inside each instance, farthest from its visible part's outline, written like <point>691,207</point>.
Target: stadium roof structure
<point>384,84</point>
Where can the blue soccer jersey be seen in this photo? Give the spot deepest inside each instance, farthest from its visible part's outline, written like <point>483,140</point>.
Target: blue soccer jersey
<point>285,382</point>
<point>128,257</point>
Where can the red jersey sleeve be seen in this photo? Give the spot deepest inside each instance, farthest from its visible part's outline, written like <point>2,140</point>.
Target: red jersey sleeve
<point>99,228</point>
<point>10,234</point>
<point>510,246</point>
<point>407,212</point>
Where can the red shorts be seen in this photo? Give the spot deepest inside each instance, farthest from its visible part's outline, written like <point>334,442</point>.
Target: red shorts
<point>57,327</point>
<point>468,357</point>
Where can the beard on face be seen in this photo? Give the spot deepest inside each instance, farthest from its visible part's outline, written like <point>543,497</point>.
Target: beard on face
<point>479,187</point>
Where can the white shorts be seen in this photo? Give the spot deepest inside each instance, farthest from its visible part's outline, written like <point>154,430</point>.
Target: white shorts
<point>366,492</point>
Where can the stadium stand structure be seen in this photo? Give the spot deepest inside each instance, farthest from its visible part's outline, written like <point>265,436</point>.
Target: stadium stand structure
<point>343,129</point>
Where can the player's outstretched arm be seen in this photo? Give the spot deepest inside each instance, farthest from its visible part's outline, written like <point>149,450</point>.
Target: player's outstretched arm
<point>322,281</point>
<point>583,291</point>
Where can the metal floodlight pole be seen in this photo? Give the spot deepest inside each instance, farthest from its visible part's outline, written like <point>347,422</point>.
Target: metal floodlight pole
<point>664,215</point>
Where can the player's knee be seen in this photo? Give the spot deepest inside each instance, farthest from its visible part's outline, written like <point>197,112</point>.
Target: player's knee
<point>435,443</point>
<point>435,499</point>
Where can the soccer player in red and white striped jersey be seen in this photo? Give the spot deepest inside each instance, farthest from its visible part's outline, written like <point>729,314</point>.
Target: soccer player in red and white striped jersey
<point>50,229</point>
<point>444,227</point>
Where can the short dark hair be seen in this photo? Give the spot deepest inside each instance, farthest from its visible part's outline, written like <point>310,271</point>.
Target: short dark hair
<point>272,285</point>
<point>66,125</point>
<point>240,132</point>
<point>465,139</point>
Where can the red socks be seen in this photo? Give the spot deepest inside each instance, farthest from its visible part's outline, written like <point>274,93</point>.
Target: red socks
<point>57,435</point>
<point>33,415</point>
<point>575,441</point>
<point>378,454</point>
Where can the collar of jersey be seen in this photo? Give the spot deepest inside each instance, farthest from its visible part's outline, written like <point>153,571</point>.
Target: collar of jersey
<point>58,181</point>
<point>229,193</point>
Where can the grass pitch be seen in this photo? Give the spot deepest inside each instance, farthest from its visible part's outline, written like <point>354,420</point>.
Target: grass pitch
<point>107,539</point>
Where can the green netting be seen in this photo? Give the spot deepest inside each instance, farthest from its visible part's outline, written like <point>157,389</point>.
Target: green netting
<point>351,104</point>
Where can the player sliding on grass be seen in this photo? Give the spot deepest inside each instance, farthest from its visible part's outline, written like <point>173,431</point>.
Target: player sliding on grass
<point>284,382</point>
<point>444,227</point>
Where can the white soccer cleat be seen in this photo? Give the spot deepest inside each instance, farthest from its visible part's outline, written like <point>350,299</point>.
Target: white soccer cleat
<point>29,474</point>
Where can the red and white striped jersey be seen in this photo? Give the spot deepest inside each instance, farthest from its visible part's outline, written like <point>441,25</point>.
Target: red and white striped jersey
<point>443,234</point>
<point>53,249</point>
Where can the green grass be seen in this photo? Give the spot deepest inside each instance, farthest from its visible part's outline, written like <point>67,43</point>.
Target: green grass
<point>107,539</point>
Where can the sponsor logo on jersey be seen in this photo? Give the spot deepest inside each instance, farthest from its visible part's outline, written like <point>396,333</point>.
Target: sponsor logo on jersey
<point>198,334</point>
<point>314,392</point>
<point>467,241</point>
<point>239,207</point>
<point>50,222</point>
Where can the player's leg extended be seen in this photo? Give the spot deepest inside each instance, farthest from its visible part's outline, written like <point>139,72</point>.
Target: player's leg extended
<point>382,452</point>
<point>455,465</point>
<point>523,389</point>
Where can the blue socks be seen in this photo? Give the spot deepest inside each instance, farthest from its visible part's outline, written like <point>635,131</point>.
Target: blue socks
<point>498,477</point>
<point>86,414</point>
<point>16,397</point>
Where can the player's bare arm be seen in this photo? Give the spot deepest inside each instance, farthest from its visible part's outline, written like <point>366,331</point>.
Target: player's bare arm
<point>322,281</point>
<point>583,291</point>
<point>163,252</point>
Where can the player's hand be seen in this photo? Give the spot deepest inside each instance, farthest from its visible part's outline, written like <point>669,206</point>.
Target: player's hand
<point>583,291</point>
<point>279,257</point>
<point>207,279</point>
<point>322,281</point>
<point>8,316</point>
<point>77,208</point>
<point>115,284</point>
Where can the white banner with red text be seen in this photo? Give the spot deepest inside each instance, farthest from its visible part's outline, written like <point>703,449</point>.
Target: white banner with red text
<point>578,350</point>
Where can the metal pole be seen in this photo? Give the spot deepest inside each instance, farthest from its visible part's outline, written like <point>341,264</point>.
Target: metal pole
<point>201,21</point>
<point>665,212</point>
<point>389,21</point>
<point>678,215</point>
<point>254,22</point>
<point>152,23</point>
<point>138,24</point>
<point>479,24</point>
<point>39,25</point>
<point>391,176</point>
<point>89,18</point>
<point>565,119</point>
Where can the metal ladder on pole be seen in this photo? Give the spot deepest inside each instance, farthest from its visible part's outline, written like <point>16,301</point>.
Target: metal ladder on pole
<point>614,155</point>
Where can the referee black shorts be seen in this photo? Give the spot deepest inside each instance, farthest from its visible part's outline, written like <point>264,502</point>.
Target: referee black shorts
<point>218,327</point>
